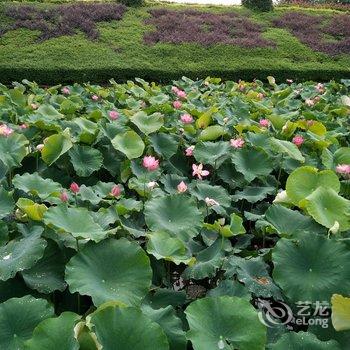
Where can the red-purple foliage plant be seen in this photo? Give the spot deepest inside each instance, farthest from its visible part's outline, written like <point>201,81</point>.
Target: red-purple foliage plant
<point>331,36</point>
<point>63,19</point>
<point>191,26</point>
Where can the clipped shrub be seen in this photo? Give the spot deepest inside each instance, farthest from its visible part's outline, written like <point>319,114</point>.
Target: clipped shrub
<point>132,3</point>
<point>63,19</point>
<point>258,5</point>
<point>206,29</point>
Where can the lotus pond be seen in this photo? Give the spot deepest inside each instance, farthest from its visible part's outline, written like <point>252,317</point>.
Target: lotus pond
<point>200,215</point>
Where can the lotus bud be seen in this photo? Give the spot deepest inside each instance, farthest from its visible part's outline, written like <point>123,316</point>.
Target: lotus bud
<point>64,196</point>
<point>74,187</point>
<point>335,228</point>
<point>181,187</point>
<point>116,191</point>
<point>281,197</point>
<point>151,185</point>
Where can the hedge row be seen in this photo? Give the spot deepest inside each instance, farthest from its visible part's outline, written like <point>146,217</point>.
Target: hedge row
<point>120,52</point>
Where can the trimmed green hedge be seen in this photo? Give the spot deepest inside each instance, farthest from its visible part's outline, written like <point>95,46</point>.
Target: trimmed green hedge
<point>120,53</point>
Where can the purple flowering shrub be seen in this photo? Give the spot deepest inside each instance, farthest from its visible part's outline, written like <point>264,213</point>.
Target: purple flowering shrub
<point>191,26</point>
<point>63,19</point>
<point>331,36</point>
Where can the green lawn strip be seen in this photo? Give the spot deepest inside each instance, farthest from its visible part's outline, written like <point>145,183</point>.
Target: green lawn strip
<point>121,53</point>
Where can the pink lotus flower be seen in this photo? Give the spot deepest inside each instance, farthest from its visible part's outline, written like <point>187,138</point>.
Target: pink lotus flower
<point>198,171</point>
<point>174,89</point>
<point>181,94</point>
<point>40,147</point>
<point>320,88</point>
<point>210,202</point>
<point>309,102</point>
<point>5,130</point>
<point>116,191</point>
<point>74,187</point>
<point>65,90</point>
<point>64,196</point>
<point>189,151</point>
<point>113,115</point>
<point>23,126</point>
<point>177,104</point>
<point>343,169</point>
<point>181,187</point>
<point>264,123</point>
<point>241,87</point>
<point>298,140</point>
<point>237,143</point>
<point>289,81</point>
<point>150,163</point>
<point>186,119</point>
<point>34,106</point>
<point>94,97</point>
<point>260,96</point>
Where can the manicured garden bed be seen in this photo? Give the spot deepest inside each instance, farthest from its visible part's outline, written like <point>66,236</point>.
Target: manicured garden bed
<point>202,215</point>
<point>164,42</point>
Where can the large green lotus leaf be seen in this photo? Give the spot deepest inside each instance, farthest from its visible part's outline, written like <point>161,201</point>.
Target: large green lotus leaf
<point>110,270</point>
<point>13,149</point>
<point>76,221</point>
<point>230,322</point>
<point>47,274</point>
<point>55,146</point>
<point>203,190</point>
<point>148,123</point>
<point>328,208</point>
<point>163,246</point>
<point>176,214</point>
<point>213,153</point>
<point>48,111</point>
<point>36,185</point>
<point>212,133</point>
<point>253,273</point>
<point>18,318</point>
<point>230,288</point>
<point>165,145</point>
<point>290,222</point>
<point>208,261</point>
<point>6,202</point>
<point>303,341</point>
<point>322,275</point>
<point>87,130</point>
<point>340,312</point>
<point>159,99</point>
<point>170,323</point>
<point>85,160</point>
<point>304,180</point>
<point>340,156</point>
<point>55,334</point>
<point>288,148</point>
<point>129,143</point>
<point>34,211</point>
<point>252,163</point>
<point>127,328</point>
<point>253,194</point>
<point>21,254</point>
